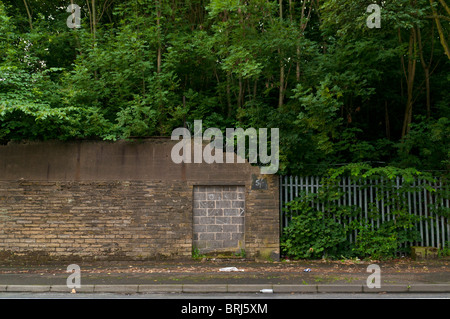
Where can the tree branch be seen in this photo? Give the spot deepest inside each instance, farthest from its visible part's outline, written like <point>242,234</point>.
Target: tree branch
<point>30,21</point>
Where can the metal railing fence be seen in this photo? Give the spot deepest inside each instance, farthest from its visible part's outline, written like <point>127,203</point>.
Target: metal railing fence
<point>424,203</point>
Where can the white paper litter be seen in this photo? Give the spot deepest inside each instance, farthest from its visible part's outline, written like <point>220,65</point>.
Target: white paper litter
<point>230,269</point>
<point>266,291</point>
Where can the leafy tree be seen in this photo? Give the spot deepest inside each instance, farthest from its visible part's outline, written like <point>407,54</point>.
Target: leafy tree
<point>339,91</point>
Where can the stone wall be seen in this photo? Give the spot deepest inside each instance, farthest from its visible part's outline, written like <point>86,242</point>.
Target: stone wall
<point>128,200</point>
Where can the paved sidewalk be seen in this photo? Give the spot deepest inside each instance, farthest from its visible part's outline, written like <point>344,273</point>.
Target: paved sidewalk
<point>190,276</point>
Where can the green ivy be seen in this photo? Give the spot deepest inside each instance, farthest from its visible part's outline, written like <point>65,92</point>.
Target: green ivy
<point>314,233</point>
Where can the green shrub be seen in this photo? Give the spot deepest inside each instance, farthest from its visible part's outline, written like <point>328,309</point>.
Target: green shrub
<point>311,233</point>
<point>315,233</point>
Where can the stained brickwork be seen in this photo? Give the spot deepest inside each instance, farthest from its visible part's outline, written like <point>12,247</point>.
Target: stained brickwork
<point>119,220</point>
<point>128,200</point>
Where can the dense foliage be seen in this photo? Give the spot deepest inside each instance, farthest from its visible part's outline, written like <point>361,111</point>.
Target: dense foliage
<point>323,224</point>
<point>339,91</point>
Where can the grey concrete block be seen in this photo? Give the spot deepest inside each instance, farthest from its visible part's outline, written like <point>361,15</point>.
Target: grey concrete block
<point>200,211</point>
<point>223,204</point>
<point>230,195</point>
<point>223,220</point>
<point>232,243</point>
<point>215,212</point>
<point>199,196</point>
<point>214,244</point>
<point>223,236</point>
<point>201,244</point>
<point>206,236</point>
<point>214,228</point>
<point>238,204</point>
<point>214,196</point>
<point>208,204</point>
<point>231,212</point>
<point>230,228</point>
<point>206,221</point>
<point>199,228</point>
<point>237,220</point>
<point>237,236</point>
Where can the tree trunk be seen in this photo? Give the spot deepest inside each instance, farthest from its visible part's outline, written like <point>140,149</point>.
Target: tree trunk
<point>281,92</point>
<point>241,92</point>
<point>386,117</point>
<point>426,69</point>
<point>427,84</point>
<point>410,82</point>
<point>158,56</point>
<point>30,21</point>
<point>439,27</point>
<point>230,109</point>
<point>94,22</point>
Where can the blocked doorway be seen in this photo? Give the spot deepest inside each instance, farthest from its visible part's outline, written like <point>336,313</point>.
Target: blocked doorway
<point>218,218</point>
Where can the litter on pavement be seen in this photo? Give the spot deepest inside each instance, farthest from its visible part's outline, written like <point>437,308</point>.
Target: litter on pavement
<point>230,269</point>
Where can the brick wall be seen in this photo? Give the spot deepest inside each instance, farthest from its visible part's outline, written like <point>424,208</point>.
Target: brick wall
<point>127,200</point>
<point>119,219</point>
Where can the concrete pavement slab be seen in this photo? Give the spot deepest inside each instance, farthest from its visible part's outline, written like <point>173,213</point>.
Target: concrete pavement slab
<point>231,288</point>
<point>116,288</point>
<point>248,288</point>
<point>28,288</point>
<point>64,288</point>
<point>339,288</point>
<point>429,288</point>
<point>205,288</point>
<point>401,276</point>
<point>294,288</point>
<point>388,288</point>
<point>175,288</point>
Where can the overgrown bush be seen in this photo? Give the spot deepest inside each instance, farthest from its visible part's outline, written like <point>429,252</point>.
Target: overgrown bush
<point>320,226</point>
<point>312,233</point>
